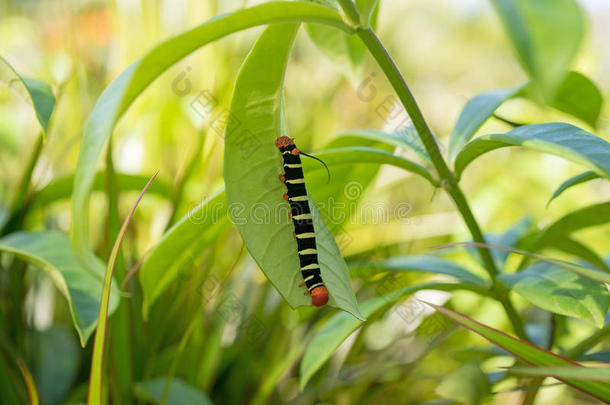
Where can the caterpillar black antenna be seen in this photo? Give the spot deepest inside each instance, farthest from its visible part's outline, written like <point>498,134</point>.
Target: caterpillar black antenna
<point>319,160</point>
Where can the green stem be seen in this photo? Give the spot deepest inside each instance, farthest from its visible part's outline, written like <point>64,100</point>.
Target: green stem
<point>448,180</point>
<point>20,201</point>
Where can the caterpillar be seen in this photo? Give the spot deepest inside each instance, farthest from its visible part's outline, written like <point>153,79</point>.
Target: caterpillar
<point>302,220</point>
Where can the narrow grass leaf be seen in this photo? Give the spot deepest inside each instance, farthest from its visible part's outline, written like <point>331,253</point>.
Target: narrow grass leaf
<point>575,373</point>
<point>94,394</point>
<point>29,383</point>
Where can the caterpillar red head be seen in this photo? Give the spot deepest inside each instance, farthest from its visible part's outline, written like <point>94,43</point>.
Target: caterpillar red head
<point>319,296</point>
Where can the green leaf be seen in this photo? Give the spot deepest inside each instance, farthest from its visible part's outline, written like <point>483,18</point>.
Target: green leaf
<point>576,373</point>
<point>560,139</point>
<point>180,245</point>
<point>575,248</point>
<point>94,393</point>
<point>180,393</point>
<point>593,215</point>
<point>574,181</point>
<point>468,384</point>
<point>344,49</point>
<point>38,92</point>
<point>341,325</point>
<point>425,264</point>
<point>546,35</point>
<point>478,110</point>
<point>579,96</point>
<point>252,161</point>
<point>510,238</point>
<point>367,9</point>
<point>119,95</point>
<point>560,291</point>
<point>52,253</point>
<point>362,154</point>
<point>62,188</point>
<point>406,138</point>
<point>527,352</point>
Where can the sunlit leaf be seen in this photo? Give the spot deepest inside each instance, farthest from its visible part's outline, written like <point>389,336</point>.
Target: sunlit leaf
<point>527,352</point>
<point>593,215</point>
<point>577,95</point>
<point>574,181</point>
<point>564,140</point>
<point>52,253</point>
<point>252,161</point>
<point>478,110</point>
<point>34,90</point>
<point>560,291</point>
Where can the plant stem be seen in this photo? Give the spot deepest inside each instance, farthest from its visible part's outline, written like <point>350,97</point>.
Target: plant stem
<point>448,181</point>
<point>20,201</point>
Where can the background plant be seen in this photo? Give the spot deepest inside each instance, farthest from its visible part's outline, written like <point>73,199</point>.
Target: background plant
<point>193,320</point>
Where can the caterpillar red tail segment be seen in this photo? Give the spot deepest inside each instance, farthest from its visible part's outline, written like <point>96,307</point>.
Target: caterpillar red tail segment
<point>302,220</point>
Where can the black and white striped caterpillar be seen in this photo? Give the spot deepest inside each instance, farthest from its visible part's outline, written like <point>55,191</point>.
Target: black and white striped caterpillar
<point>300,213</point>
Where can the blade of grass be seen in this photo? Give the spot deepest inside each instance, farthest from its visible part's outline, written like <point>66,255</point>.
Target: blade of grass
<point>576,373</point>
<point>94,394</point>
<point>29,383</point>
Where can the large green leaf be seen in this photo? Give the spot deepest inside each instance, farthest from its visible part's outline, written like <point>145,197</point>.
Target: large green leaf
<point>420,263</point>
<point>119,95</point>
<point>580,97</point>
<point>546,35</point>
<point>38,92</point>
<point>561,291</point>
<point>252,159</point>
<point>468,384</point>
<point>180,393</point>
<point>556,138</point>
<point>180,245</point>
<point>528,352</point>
<point>574,181</point>
<point>341,325</point>
<point>51,252</point>
<point>473,116</point>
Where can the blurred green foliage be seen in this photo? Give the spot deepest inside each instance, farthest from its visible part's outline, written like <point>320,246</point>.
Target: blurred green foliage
<point>201,323</point>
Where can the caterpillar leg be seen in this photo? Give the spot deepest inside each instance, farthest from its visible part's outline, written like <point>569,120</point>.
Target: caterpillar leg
<point>282,178</point>
<point>286,196</point>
